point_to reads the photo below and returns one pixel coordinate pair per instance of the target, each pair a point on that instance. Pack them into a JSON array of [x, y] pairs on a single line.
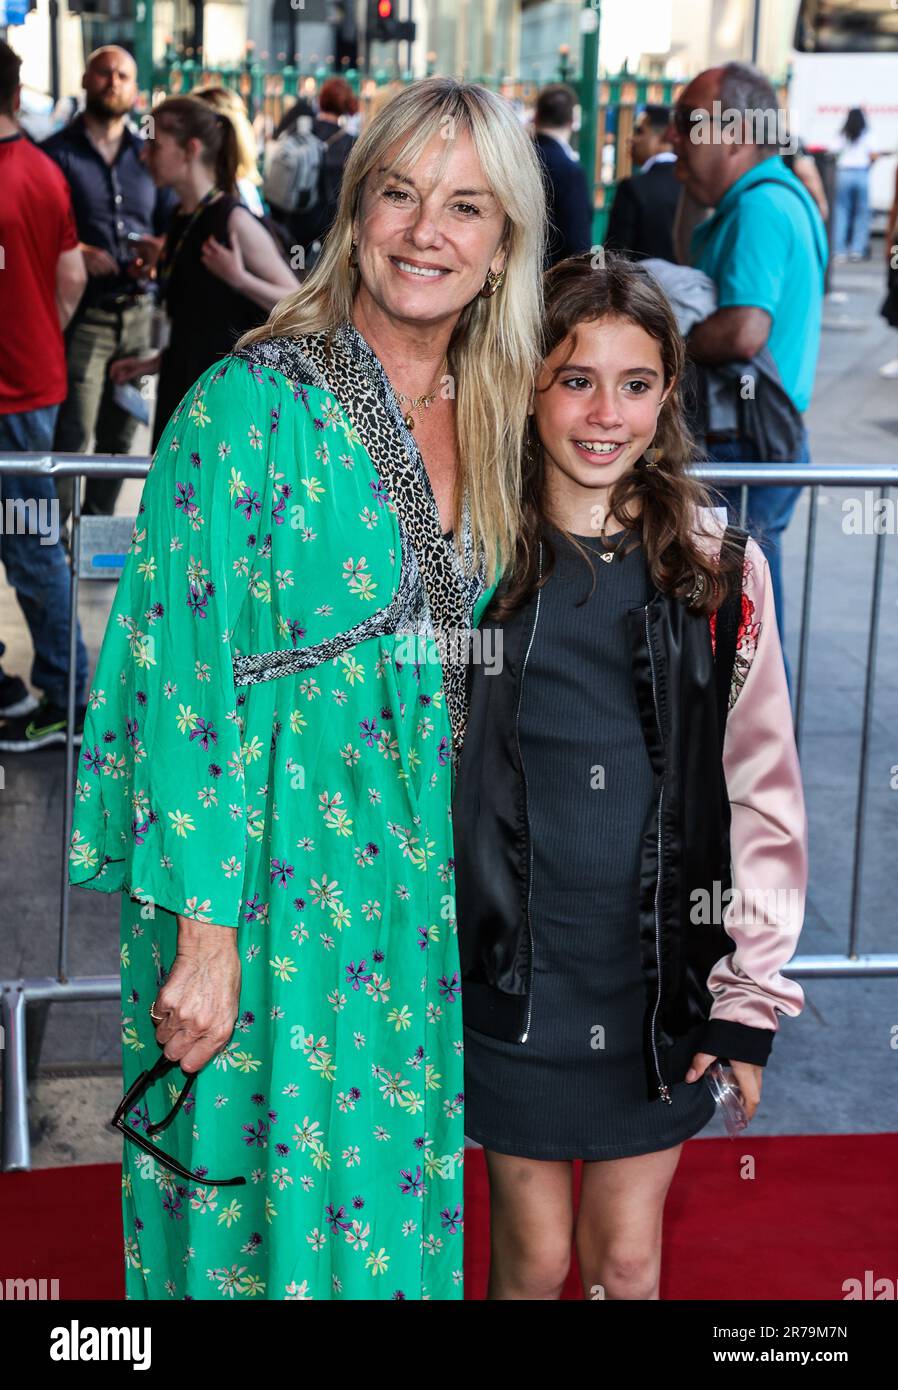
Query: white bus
[[846, 54]]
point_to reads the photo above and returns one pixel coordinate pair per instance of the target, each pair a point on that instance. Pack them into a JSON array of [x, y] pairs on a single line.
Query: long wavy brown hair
[[659, 504]]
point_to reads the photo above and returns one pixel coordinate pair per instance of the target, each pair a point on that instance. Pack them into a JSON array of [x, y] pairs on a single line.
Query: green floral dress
[[264, 749]]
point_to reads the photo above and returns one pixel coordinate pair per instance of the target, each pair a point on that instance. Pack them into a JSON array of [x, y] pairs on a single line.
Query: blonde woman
[[269, 751], [249, 180]]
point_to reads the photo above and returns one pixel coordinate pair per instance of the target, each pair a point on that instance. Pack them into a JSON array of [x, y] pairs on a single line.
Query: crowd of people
[[140, 253], [298, 327], [155, 254]]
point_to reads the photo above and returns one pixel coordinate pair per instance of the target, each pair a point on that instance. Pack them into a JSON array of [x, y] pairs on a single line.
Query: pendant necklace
[[608, 555], [415, 403]]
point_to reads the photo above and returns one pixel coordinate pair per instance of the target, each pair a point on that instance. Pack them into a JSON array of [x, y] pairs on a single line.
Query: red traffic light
[[385, 9]]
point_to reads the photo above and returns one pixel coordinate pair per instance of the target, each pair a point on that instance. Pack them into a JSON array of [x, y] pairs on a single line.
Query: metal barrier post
[[16, 993], [861, 813]]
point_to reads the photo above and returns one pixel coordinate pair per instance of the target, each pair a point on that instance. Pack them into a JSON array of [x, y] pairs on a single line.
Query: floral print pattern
[[311, 812]]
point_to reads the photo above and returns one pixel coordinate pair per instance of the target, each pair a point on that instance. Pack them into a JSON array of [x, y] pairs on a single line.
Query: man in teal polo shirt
[[765, 248]]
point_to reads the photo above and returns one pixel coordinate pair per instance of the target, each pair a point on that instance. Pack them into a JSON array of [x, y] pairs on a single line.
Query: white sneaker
[[890, 369]]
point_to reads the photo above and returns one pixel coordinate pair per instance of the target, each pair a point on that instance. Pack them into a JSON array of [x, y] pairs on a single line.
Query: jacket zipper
[[524, 1035], [663, 1088]]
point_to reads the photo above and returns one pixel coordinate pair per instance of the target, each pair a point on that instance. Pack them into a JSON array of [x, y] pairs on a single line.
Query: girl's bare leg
[[618, 1231], [531, 1226]]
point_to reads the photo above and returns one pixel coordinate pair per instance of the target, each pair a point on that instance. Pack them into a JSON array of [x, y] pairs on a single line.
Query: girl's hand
[[224, 261], [748, 1077], [201, 996]]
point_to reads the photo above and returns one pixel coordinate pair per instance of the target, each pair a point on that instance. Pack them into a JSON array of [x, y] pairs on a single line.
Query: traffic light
[[384, 23], [384, 27]]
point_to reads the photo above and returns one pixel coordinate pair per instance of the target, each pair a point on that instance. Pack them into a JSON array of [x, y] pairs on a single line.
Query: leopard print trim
[[398, 615], [340, 361]]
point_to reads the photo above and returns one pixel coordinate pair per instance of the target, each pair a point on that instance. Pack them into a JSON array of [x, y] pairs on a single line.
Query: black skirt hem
[[655, 1144]]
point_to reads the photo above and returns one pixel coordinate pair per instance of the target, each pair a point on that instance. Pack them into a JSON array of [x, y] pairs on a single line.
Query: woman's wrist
[[204, 938]]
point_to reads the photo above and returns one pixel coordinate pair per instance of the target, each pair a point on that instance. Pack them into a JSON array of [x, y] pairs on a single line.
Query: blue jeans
[[769, 511], [852, 205], [39, 573]]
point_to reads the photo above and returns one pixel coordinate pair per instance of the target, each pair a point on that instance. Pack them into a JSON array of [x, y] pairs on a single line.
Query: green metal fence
[[268, 94]]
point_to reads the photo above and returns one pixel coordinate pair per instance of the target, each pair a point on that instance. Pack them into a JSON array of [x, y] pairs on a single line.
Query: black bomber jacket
[[682, 696]]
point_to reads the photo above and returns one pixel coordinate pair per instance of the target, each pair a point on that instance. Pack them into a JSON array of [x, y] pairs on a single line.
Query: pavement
[[834, 1069]]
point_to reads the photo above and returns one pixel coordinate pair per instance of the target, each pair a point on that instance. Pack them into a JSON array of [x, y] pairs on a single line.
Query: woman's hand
[[224, 261], [748, 1077], [127, 368], [200, 998]]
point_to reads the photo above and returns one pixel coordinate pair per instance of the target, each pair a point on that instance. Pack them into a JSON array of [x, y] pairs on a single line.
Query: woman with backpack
[[304, 166], [634, 738]]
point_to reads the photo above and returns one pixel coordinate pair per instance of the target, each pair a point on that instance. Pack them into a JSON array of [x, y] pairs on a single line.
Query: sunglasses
[[133, 1095]]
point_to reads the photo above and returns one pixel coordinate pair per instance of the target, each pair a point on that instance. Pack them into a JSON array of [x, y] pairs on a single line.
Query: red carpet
[[819, 1210]]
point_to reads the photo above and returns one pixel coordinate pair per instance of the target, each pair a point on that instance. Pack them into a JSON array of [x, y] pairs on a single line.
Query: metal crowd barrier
[[95, 562]]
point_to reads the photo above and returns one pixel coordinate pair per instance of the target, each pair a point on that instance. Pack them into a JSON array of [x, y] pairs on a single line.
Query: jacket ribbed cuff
[[736, 1042]]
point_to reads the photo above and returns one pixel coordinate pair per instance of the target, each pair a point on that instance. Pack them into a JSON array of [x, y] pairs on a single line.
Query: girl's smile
[[596, 409]]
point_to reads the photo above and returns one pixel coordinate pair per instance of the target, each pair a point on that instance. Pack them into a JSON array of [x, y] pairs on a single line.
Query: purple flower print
[[280, 872], [131, 732], [452, 1220], [443, 751], [296, 630], [172, 1204], [254, 908], [93, 760], [355, 974], [139, 829], [184, 492], [369, 731], [196, 601], [379, 493], [204, 731], [409, 1183], [256, 1134], [449, 989], [335, 1219], [248, 503]]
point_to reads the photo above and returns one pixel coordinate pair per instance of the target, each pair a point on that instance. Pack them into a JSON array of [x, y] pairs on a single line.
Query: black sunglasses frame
[[133, 1094]]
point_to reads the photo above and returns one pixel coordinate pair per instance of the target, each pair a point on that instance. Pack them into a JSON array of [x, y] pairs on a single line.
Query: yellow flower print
[[182, 821]]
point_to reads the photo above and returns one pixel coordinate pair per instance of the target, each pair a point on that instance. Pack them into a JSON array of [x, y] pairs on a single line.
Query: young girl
[[637, 735]]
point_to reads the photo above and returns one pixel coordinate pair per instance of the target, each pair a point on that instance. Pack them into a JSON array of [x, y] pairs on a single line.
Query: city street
[[838, 1058]]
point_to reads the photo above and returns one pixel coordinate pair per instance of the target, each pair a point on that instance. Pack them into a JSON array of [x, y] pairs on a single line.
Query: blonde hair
[[494, 350], [231, 104]]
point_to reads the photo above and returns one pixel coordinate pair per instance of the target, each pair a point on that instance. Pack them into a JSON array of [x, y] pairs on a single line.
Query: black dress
[[207, 315], [576, 1088]]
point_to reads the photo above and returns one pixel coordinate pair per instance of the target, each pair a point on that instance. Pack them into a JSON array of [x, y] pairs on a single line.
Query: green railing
[[267, 95]]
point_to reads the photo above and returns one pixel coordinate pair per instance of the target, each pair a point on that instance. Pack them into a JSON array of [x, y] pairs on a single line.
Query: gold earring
[[353, 259], [652, 457], [494, 281]]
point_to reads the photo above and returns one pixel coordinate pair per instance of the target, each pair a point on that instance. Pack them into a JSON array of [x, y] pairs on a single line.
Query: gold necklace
[[608, 555], [415, 403]]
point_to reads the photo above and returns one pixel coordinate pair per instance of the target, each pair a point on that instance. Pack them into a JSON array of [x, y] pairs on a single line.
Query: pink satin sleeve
[[768, 833]]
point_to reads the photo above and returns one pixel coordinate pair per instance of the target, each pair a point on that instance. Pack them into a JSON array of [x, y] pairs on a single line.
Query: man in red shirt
[[43, 277]]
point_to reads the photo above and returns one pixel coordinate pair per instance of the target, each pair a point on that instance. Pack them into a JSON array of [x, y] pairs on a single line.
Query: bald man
[[115, 201], [765, 249]]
